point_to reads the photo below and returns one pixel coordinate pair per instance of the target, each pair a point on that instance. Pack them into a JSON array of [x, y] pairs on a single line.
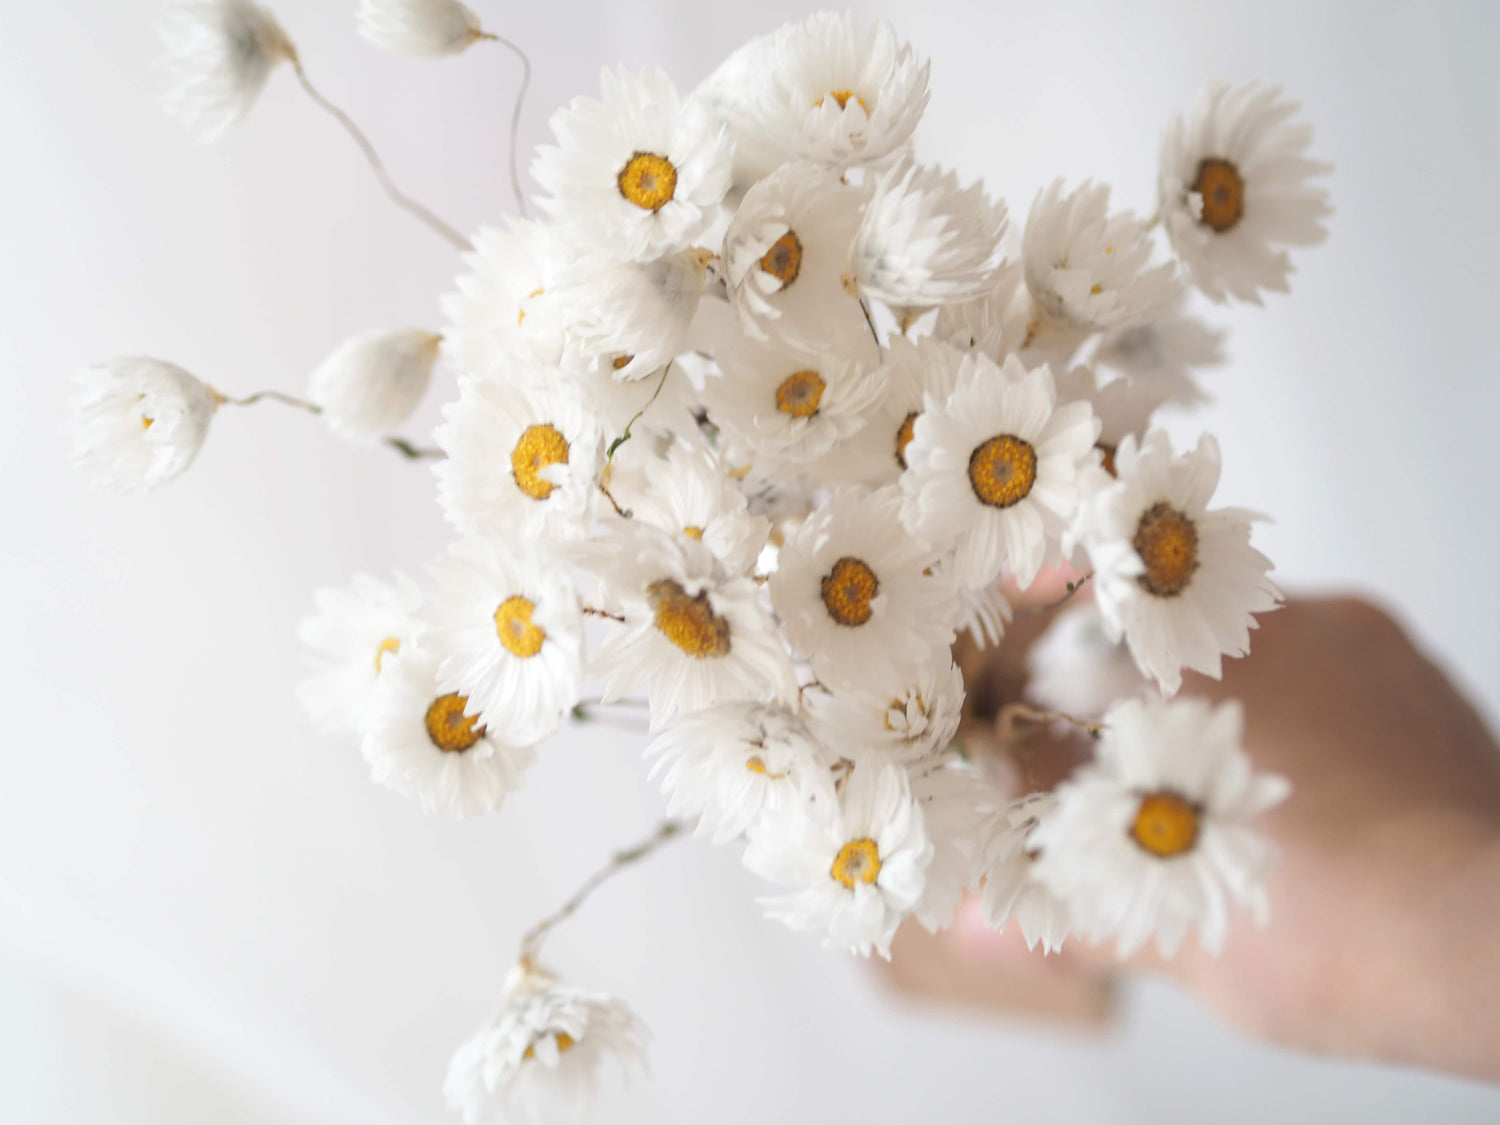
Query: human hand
[[1387, 894]]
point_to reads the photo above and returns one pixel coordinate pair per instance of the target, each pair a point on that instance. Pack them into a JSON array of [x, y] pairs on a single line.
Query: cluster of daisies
[[754, 421]]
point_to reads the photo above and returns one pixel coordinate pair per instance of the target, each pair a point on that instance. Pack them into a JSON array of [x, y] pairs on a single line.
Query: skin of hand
[[1385, 903]]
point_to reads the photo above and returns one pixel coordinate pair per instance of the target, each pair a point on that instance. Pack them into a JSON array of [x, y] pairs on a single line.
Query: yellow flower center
[[564, 1041], [1223, 193], [688, 621], [647, 180], [513, 625], [756, 764], [693, 532], [783, 260], [541, 445], [842, 97], [858, 861], [450, 729], [146, 422], [800, 393], [1167, 542], [848, 590], [904, 435], [390, 644], [622, 361], [1002, 471], [1165, 825]]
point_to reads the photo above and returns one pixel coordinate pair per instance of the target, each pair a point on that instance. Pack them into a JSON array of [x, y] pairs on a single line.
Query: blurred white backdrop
[[208, 913]]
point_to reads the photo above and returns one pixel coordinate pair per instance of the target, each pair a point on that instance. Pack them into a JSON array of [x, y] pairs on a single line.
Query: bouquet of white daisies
[[756, 422]]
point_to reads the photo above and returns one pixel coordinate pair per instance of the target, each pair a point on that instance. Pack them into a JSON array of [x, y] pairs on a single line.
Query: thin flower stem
[[531, 943], [1073, 588], [1005, 722], [869, 319], [400, 445], [592, 612], [400, 198], [515, 115]]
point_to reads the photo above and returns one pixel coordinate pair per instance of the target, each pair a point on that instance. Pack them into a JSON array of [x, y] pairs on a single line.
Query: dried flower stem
[[1005, 722], [1073, 588], [400, 198], [531, 943], [592, 612], [515, 115], [864, 307], [400, 445]]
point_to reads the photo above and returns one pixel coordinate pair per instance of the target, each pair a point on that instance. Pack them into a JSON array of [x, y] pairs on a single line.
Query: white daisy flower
[[1007, 859], [829, 89], [219, 54], [629, 318], [640, 170], [687, 492], [1236, 187], [902, 719], [924, 241], [429, 745], [1088, 267], [505, 626], [984, 612], [693, 635], [789, 404], [523, 458], [1075, 667], [1178, 581], [1148, 838], [785, 253], [662, 403], [351, 632], [541, 1055], [370, 384], [137, 422], [858, 866], [424, 29], [993, 470], [732, 764], [503, 304], [852, 594], [955, 802]]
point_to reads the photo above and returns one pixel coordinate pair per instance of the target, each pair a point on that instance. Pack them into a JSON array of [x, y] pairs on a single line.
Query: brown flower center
[[1002, 471], [800, 393], [1167, 542], [450, 730], [541, 445], [858, 861], [1223, 193], [848, 590], [842, 97], [1165, 824], [688, 621], [783, 260], [647, 180]]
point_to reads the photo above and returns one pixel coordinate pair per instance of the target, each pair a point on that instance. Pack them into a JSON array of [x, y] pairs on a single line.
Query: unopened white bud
[[219, 53], [372, 383], [424, 29]]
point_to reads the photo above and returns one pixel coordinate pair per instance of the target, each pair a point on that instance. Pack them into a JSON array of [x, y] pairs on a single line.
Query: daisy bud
[[219, 53], [424, 29], [372, 383], [136, 422]]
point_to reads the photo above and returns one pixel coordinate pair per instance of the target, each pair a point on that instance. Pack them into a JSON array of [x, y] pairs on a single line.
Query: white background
[[209, 913]]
